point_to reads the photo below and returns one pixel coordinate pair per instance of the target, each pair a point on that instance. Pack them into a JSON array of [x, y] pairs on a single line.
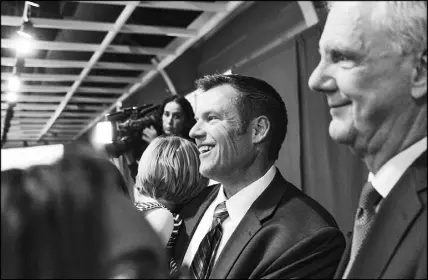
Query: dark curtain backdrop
[[331, 174]]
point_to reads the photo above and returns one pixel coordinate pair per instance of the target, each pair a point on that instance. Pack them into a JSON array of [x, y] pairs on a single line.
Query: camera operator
[[175, 117]]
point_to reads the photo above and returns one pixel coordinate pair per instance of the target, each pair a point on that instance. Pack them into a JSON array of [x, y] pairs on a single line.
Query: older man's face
[[367, 83]]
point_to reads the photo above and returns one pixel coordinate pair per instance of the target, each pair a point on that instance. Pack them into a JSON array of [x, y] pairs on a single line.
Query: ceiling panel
[[91, 55]]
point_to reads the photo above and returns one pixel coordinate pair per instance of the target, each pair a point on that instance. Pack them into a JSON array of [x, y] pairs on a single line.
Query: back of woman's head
[[70, 220], [169, 170], [50, 223]]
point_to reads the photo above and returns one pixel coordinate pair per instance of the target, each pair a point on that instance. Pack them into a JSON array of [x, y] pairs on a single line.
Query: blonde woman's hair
[[169, 170]]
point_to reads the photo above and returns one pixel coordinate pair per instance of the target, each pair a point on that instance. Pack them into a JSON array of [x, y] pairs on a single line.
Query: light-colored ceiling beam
[[206, 21], [29, 121], [64, 132], [72, 121], [18, 130], [99, 26], [34, 108], [93, 100], [59, 78], [67, 126], [78, 114], [27, 126], [123, 66], [85, 107], [83, 47], [51, 63], [219, 6], [41, 77], [29, 114], [120, 22], [108, 79], [47, 63], [39, 88], [28, 88], [37, 98]]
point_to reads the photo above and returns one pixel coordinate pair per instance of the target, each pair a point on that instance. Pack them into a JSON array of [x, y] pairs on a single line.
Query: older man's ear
[[419, 77]]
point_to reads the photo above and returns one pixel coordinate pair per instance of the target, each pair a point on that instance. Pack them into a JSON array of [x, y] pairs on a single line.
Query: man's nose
[[321, 80], [196, 131]]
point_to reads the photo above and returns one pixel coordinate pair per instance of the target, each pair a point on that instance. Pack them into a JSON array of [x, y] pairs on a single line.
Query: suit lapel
[[345, 257], [261, 209], [395, 216], [191, 218]]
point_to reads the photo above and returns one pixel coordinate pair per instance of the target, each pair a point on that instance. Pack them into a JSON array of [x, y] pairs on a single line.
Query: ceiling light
[[11, 97], [23, 45], [26, 30], [14, 83]]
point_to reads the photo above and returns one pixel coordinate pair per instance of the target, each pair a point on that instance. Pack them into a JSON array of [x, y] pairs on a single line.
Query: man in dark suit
[[254, 224], [373, 70]]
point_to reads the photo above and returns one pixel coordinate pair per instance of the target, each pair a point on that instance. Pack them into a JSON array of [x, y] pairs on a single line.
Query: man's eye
[[338, 57], [210, 118]]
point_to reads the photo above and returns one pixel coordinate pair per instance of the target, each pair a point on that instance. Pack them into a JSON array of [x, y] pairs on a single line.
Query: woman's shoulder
[[159, 217]]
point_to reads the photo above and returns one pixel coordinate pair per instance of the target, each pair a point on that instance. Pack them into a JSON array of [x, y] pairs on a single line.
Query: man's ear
[[260, 128], [419, 77]]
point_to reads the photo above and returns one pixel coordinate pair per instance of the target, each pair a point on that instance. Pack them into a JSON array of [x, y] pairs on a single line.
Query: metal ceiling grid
[[85, 90]]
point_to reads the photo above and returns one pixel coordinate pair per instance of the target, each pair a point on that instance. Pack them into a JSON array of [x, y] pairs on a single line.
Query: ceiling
[[90, 56]]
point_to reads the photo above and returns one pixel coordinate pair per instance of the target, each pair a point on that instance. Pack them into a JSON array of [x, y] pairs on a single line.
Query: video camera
[[129, 124]]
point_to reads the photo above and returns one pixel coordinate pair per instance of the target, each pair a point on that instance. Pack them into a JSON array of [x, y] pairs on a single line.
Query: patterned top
[[145, 206]]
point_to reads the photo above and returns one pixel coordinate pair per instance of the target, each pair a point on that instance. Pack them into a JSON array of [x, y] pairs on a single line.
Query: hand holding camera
[[149, 133]]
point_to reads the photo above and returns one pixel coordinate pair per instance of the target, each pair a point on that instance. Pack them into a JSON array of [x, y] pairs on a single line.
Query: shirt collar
[[389, 174], [238, 205]]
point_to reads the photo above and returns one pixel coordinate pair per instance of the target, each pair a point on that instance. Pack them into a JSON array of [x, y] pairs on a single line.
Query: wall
[[278, 68], [259, 25], [182, 72]]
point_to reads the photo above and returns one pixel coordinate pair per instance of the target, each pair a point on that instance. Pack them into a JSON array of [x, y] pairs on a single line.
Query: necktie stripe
[[205, 256], [364, 218]]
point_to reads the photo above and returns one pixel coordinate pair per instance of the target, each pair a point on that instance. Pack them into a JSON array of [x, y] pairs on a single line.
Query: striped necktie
[[173, 267], [203, 261], [364, 218]]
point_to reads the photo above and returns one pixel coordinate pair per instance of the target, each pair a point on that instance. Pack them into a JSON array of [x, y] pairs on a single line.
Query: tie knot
[[220, 212], [369, 196]]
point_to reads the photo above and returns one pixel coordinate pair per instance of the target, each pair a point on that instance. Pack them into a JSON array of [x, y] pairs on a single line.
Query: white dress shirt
[[237, 206], [389, 174]]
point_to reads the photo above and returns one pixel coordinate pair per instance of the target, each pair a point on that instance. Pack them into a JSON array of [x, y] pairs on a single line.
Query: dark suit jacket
[[284, 234], [396, 246]]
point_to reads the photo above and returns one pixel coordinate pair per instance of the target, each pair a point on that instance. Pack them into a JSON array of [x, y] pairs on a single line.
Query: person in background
[[254, 224], [168, 178], [373, 72], [69, 219], [176, 117]]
